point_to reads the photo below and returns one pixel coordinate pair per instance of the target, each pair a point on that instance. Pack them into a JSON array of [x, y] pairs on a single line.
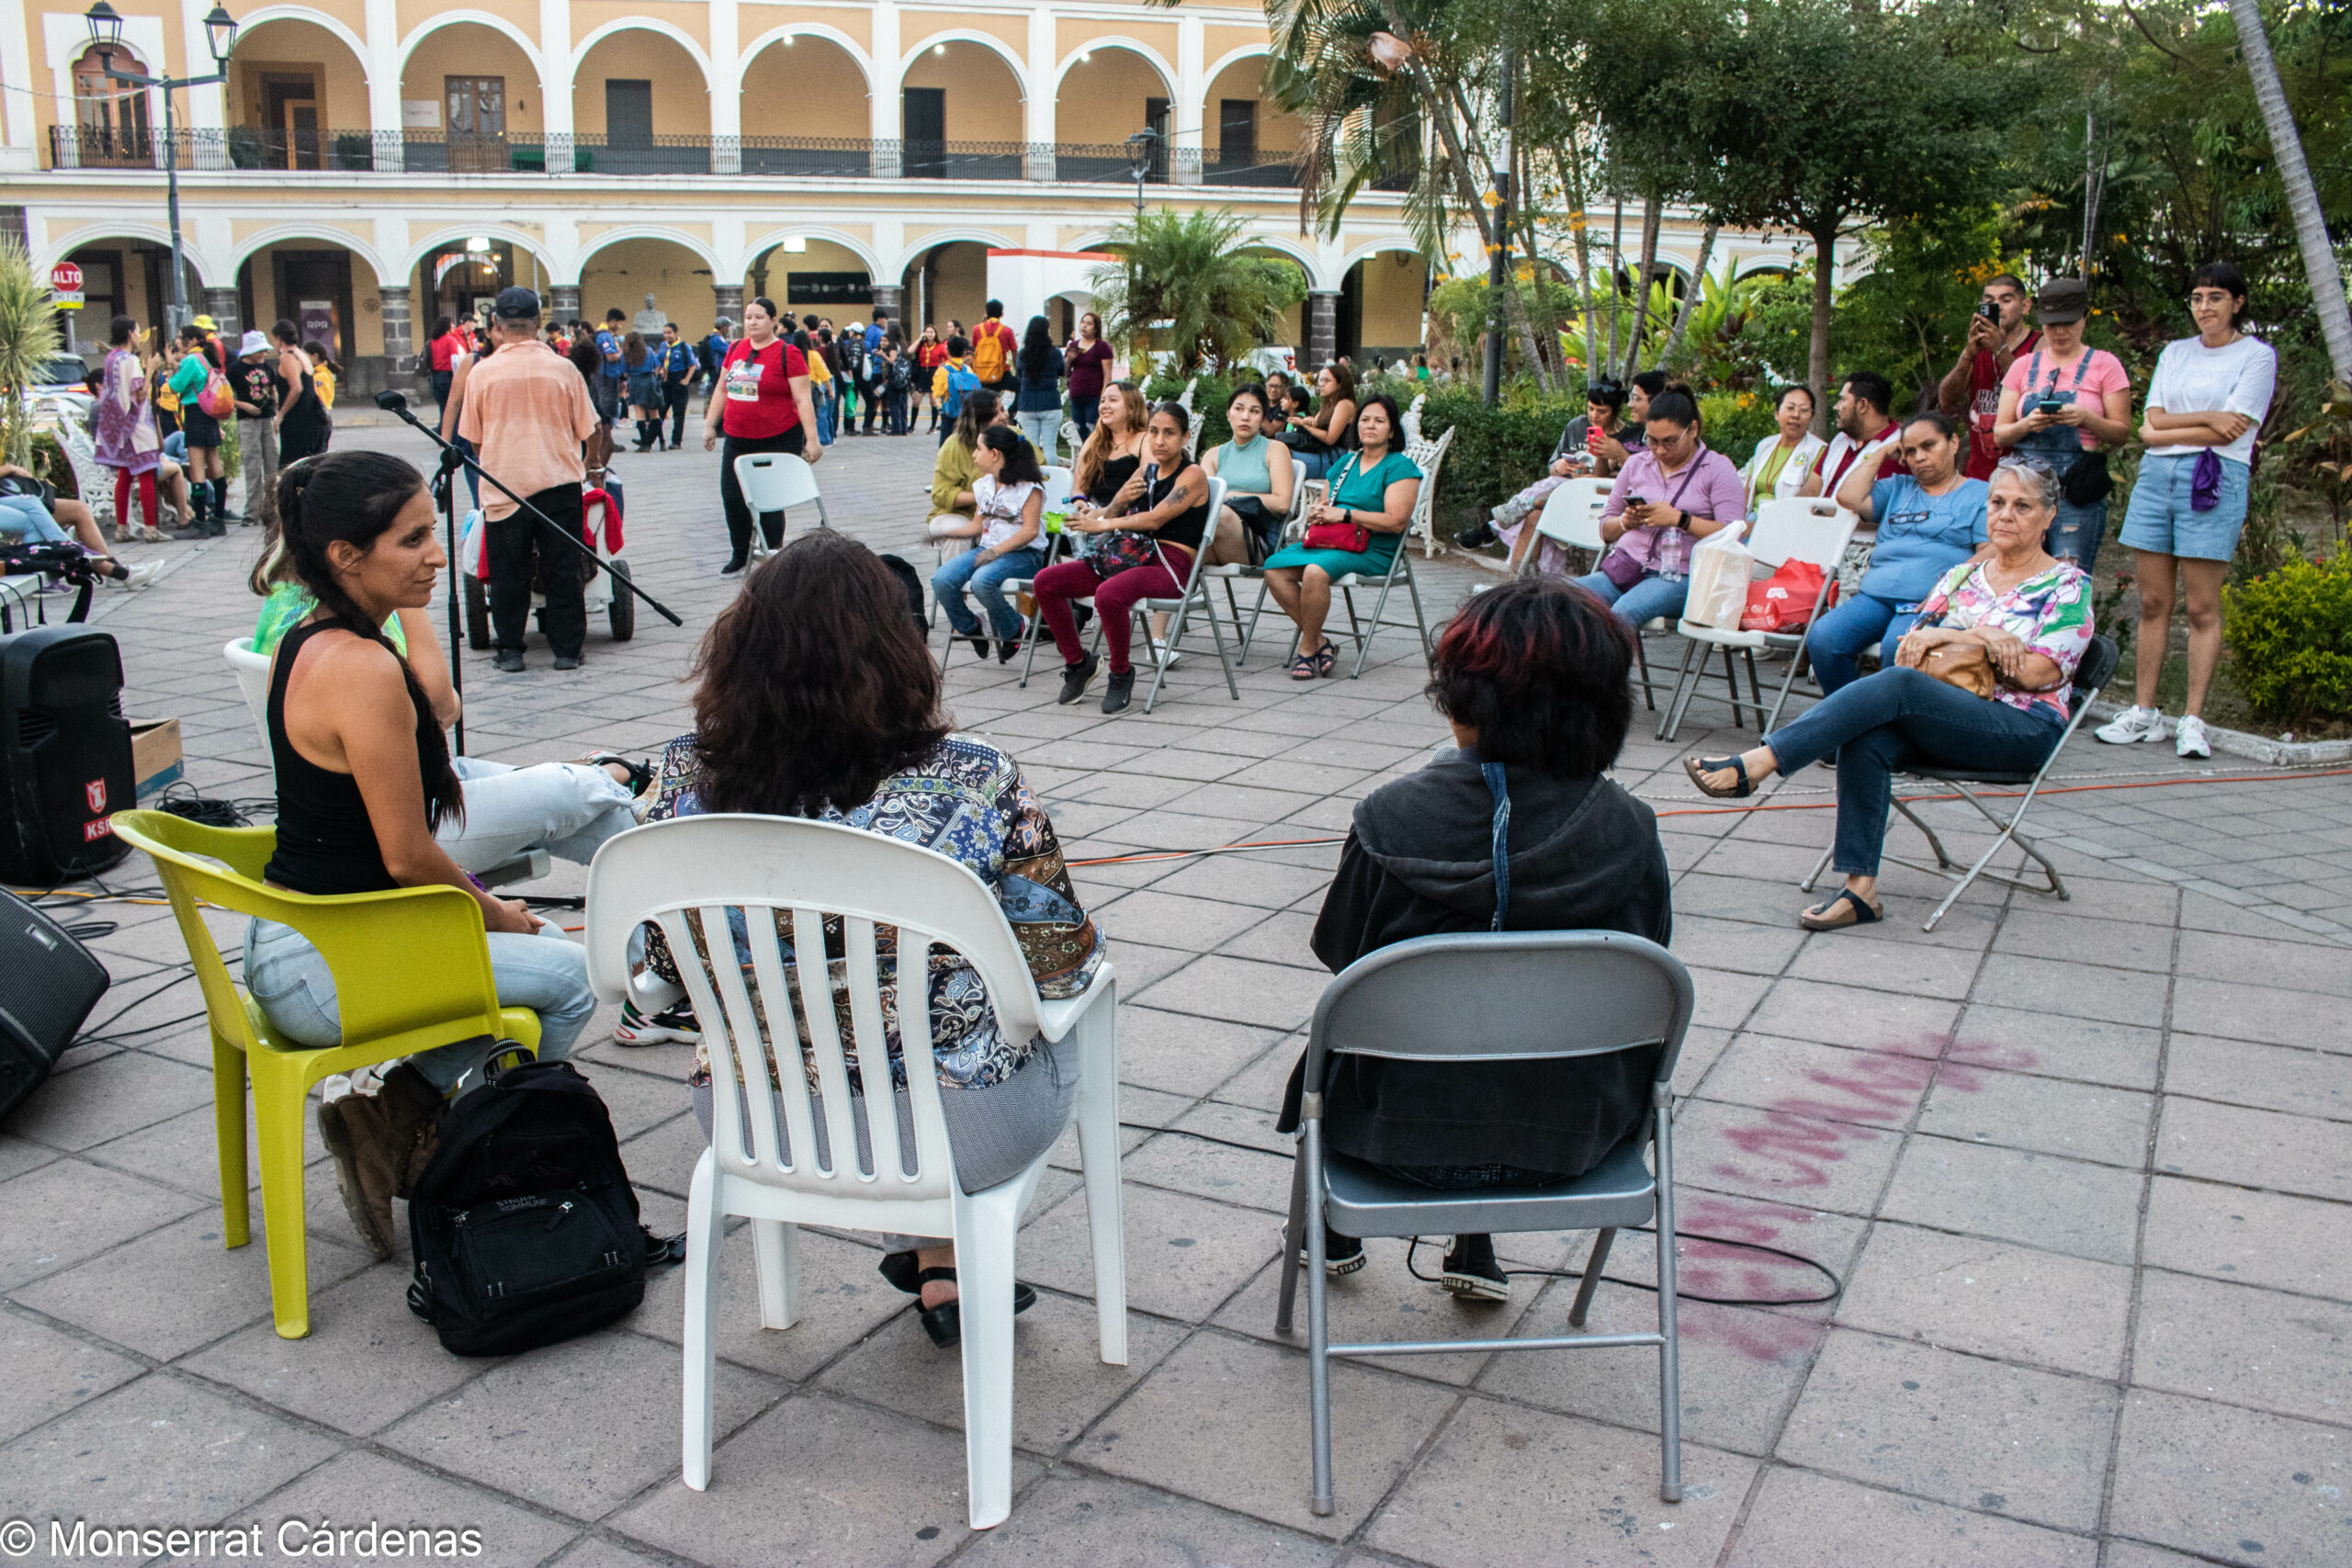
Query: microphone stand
[[444, 491], [396, 403]]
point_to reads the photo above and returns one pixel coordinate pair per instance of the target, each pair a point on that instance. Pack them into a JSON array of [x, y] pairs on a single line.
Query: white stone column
[[20, 153], [726, 89], [204, 106], [882, 119], [1188, 110], [555, 82], [383, 66], [1041, 123]]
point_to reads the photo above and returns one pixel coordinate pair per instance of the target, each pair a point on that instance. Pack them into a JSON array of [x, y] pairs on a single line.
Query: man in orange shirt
[[526, 411], [992, 350]]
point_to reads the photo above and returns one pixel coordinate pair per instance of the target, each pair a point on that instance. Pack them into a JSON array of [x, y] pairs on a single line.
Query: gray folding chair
[[2098, 668], [1487, 997]]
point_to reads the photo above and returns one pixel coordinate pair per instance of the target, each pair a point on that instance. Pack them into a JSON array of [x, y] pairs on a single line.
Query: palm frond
[[29, 337]]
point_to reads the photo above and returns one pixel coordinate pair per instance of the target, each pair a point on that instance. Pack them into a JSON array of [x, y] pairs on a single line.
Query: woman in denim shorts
[[2205, 405]]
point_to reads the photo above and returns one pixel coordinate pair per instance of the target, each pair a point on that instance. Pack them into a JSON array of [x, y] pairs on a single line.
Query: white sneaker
[[2136, 724], [2192, 741], [139, 576]]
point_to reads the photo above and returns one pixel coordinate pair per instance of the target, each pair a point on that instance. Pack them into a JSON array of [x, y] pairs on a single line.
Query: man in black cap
[[526, 411]]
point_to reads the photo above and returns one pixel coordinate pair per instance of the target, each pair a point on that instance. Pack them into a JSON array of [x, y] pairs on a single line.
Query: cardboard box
[[155, 753]]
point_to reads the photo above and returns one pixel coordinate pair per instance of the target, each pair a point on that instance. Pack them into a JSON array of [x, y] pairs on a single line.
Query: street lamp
[[1142, 144], [220, 37]]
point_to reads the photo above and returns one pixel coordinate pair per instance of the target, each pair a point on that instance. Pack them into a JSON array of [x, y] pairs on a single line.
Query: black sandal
[[640, 773], [944, 1323], [1699, 767], [1816, 919]]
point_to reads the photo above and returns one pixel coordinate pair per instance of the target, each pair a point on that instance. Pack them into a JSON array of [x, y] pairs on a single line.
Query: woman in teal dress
[[1373, 488]]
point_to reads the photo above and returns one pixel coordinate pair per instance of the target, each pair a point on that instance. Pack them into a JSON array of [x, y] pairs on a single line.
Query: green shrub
[[2290, 640], [1499, 451], [48, 463], [1736, 422], [1209, 399]]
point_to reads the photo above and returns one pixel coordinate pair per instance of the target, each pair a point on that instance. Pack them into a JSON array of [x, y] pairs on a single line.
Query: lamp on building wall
[[220, 37]]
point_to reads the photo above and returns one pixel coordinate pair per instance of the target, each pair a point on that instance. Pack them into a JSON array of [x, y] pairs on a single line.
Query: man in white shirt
[[1864, 426]]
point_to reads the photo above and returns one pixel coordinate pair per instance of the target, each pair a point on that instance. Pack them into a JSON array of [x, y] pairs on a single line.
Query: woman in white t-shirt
[[2205, 404], [1007, 530]]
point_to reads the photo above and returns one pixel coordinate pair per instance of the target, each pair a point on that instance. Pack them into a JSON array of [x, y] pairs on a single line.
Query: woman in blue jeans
[[1008, 527], [2029, 610], [363, 780], [1673, 491], [1929, 521]]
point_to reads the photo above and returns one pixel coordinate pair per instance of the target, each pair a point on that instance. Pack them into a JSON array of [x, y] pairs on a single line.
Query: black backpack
[[524, 1224], [912, 582]]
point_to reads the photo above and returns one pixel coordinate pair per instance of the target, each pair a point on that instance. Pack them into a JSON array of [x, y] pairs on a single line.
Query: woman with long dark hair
[[1037, 404], [1007, 532], [762, 404], [817, 699], [1372, 495], [1086, 359], [363, 779]]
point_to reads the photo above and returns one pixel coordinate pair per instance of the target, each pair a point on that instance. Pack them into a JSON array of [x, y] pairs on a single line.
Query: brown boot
[[379, 1141]]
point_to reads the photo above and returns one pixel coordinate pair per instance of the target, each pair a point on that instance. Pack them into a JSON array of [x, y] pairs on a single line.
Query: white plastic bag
[[1721, 565], [469, 544]]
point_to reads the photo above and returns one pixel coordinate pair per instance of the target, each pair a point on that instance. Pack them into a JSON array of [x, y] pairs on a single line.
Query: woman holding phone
[[2066, 403]]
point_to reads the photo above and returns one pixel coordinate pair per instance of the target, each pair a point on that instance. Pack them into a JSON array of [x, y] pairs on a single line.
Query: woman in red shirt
[[762, 405]]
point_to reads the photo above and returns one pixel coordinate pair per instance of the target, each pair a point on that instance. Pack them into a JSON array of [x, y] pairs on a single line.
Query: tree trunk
[[1616, 266], [1580, 198], [1825, 263], [1690, 296], [1650, 219], [2303, 199]]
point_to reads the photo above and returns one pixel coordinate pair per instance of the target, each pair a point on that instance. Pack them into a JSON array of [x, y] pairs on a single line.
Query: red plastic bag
[[1783, 602]]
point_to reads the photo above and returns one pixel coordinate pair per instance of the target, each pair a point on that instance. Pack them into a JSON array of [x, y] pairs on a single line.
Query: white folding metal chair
[[1400, 565], [1491, 997], [792, 1157], [1791, 528], [1057, 487], [775, 481], [1196, 592]]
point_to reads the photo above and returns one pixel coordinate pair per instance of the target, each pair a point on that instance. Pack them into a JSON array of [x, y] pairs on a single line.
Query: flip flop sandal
[[1302, 667], [944, 1323], [1327, 658], [1817, 917], [640, 773], [1699, 767]]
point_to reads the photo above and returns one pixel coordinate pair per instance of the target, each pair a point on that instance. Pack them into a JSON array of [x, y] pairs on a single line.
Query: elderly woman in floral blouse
[[2028, 612], [819, 699]]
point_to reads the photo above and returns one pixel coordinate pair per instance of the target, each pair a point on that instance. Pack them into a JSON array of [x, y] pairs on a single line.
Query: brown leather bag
[[1962, 664]]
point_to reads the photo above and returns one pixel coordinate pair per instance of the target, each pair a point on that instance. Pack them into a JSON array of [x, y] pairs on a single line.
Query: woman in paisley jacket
[[817, 699]]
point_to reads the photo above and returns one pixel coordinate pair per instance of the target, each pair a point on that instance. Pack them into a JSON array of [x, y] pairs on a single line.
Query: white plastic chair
[[1571, 519], [252, 670], [765, 1161], [1791, 528], [1429, 456], [1412, 420], [775, 481]]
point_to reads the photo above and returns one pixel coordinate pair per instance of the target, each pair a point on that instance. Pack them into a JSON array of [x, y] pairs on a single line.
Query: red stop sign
[[65, 278]]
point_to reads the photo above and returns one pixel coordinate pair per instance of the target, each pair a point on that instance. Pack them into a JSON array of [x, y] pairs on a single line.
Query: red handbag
[[1783, 602], [1350, 538]]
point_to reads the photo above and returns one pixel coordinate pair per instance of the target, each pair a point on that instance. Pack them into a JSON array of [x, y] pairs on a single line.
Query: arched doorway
[[122, 276], [1293, 335], [109, 128], [1382, 299], [960, 115], [947, 282], [809, 276], [621, 276], [471, 103], [1110, 95], [1246, 140], [298, 100], [463, 275], [330, 293], [640, 105], [806, 110]]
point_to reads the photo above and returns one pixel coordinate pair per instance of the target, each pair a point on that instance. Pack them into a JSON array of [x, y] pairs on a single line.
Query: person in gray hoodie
[[1532, 679]]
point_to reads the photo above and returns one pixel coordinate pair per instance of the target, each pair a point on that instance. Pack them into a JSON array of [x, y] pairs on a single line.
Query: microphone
[[392, 402]]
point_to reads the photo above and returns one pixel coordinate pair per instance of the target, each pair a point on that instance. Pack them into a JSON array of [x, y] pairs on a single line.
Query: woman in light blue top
[[1929, 521], [1259, 479]]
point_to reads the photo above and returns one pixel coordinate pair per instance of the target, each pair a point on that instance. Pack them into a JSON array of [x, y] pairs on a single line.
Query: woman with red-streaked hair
[[1531, 678]]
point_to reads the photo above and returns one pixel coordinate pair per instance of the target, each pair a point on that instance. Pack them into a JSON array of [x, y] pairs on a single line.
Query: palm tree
[[1182, 281], [29, 337], [2302, 197]]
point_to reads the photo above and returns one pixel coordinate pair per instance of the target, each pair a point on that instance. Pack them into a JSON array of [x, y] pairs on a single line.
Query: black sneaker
[[567, 661], [509, 661], [1075, 678], [734, 567], [1477, 536], [1472, 1273], [1118, 691], [672, 1025], [978, 642], [1342, 1255], [1006, 649]]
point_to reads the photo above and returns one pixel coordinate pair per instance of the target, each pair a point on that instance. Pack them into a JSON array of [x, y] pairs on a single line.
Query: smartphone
[[1990, 311], [2051, 405], [1636, 500]]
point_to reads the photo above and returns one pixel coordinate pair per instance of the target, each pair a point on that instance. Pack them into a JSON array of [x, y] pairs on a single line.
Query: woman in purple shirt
[[1672, 490]]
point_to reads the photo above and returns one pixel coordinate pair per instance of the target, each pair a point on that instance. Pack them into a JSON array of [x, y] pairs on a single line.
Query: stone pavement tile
[[2286, 964], [51, 1372], [1247, 879], [107, 1099], [2023, 1041], [1723, 999], [2256, 1239], [1878, 1088], [591, 1552], [1285, 938], [355, 1490], [2254, 1148], [1955, 1428], [177, 1287], [662, 1158], [1383, 1300], [2245, 1346], [1187, 1163], [1746, 899], [820, 1479], [2042, 1309], [1066, 1157], [843, 1300], [2133, 898], [1060, 1381], [2052, 1115], [2202, 912], [1075, 1520], [1801, 1520], [2234, 1485], [182, 1152], [2072, 990], [2121, 1553], [1166, 919], [159, 1450], [1185, 1254], [18, 1156], [1786, 864], [2258, 1013], [1140, 964], [1909, 968], [1272, 995], [1739, 944], [2086, 1211], [1225, 1420], [2065, 936], [57, 1216], [1215, 1119], [1809, 1010], [2271, 1078], [638, 1100], [521, 1422], [1798, 1159], [1578, 1494], [1718, 1251], [1258, 1085], [366, 1361], [1238, 803], [1741, 1367], [1176, 1052], [1701, 1049]]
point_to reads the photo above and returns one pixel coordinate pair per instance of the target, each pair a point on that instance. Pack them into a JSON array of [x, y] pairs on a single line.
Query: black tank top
[[325, 842], [1186, 527], [1114, 472]]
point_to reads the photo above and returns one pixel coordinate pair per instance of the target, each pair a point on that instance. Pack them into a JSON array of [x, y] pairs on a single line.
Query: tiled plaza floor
[[2083, 1168]]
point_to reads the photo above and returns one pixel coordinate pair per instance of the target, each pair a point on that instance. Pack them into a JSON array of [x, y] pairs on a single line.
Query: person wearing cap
[[259, 389], [1998, 334], [2066, 403], [526, 411]]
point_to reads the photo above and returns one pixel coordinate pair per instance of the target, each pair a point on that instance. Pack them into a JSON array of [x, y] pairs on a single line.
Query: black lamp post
[[220, 37], [1144, 144]]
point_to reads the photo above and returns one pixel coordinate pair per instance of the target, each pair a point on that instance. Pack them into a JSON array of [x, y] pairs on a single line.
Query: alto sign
[[65, 286]]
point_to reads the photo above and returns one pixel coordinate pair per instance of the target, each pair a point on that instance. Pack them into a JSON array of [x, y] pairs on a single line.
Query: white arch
[[1209, 77], [1748, 267], [915, 249], [645, 25], [1151, 56], [50, 255], [441, 239], [1377, 247], [995, 46], [278, 233], [1308, 262], [481, 18], [621, 234], [848, 242], [848, 45], [268, 14]]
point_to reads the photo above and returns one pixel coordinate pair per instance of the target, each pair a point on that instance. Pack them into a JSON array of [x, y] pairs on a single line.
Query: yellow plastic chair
[[411, 971]]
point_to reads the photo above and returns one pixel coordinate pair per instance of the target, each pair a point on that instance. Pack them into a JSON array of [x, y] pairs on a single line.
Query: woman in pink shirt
[[2065, 402], [1674, 490]]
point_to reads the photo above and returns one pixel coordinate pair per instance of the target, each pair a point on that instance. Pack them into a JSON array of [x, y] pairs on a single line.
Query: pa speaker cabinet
[[49, 983], [65, 759]]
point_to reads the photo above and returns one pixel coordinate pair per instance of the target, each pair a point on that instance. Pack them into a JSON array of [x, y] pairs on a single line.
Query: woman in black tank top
[[363, 779]]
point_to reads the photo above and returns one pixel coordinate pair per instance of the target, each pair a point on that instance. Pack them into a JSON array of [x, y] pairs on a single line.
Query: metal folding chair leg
[[1294, 1237], [1669, 724], [1318, 1332], [1591, 1280], [1669, 1358]]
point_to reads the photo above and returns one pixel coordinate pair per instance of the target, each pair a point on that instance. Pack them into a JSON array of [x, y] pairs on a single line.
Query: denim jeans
[[987, 583], [1652, 597], [25, 519], [1083, 411], [1839, 637], [1891, 719], [1044, 428], [2077, 533], [285, 973], [568, 808]]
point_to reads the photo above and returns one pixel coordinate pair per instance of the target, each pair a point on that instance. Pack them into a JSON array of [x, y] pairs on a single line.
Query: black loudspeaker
[[49, 983], [64, 754]]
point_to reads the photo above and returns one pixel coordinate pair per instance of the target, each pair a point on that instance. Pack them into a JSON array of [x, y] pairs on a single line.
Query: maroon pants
[[1114, 601]]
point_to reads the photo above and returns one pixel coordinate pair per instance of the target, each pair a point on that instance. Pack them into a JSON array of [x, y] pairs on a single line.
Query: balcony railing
[[238, 149]]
